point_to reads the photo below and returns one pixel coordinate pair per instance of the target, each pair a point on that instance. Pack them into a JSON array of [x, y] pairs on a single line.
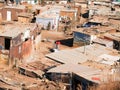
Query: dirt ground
[[12, 79]]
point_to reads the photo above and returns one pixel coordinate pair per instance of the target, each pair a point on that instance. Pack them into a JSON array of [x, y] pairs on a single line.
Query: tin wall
[[13, 13], [22, 51], [1, 42]]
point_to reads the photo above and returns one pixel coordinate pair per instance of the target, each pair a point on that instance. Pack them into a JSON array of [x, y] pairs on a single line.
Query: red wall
[[21, 51], [26, 49], [13, 11]]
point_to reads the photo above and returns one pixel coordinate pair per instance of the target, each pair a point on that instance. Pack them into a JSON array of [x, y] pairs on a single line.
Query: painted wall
[[44, 22], [26, 49], [37, 41], [81, 37], [22, 51], [13, 11], [17, 40]]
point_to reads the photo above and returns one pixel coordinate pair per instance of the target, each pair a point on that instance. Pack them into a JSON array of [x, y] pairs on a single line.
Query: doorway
[[7, 43], [9, 15]]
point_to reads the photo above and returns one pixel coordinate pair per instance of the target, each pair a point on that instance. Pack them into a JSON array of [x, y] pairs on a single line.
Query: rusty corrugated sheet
[[14, 52], [1, 42], [26, 48], [65, 13], [21, 51], [13, 15]]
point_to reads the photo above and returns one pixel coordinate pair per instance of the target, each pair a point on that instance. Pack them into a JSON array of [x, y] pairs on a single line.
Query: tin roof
[[95, 30], [74, 61], [80, 70], [16, 7], [114, 36], [107, 59], [14, 29], [50, 13], [23, 14], [82, 54], [102, 41], [31, 69]]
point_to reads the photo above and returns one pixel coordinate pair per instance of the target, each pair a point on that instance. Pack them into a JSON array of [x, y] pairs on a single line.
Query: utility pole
[[84, 46], [70, 81]]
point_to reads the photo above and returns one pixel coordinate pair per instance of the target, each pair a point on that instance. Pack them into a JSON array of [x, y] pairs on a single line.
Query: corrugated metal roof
[[108, 59], [82, 71], [96, 30], [102, 41], [81, 54], [69, 56], [16, 7], [114, 36], [14, 29], [31, 69], [23, 14]]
